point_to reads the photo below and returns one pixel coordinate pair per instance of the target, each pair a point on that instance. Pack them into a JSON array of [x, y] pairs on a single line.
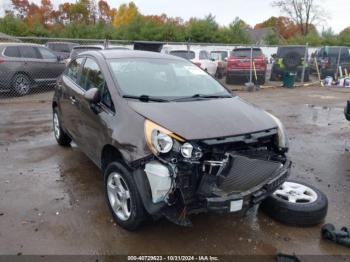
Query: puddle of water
[[323, 115]]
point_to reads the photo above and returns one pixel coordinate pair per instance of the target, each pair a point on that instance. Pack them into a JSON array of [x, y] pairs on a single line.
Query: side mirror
[[93, 96], [225, 59]]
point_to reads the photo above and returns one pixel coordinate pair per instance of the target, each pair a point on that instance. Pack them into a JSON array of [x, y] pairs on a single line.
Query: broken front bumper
[[244, 200]]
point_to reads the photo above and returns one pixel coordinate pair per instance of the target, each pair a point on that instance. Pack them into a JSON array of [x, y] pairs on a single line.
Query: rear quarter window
[[12, 51]]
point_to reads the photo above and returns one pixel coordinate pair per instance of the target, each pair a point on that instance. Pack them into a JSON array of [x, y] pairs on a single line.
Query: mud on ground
[[52, 199]]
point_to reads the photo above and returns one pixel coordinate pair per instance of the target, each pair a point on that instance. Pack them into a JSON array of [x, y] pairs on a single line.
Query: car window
[[12, 51], [183, 54], [203, 55], [283, 51], [29, 52], [216, 56], [73, 70], [47, 54], [91, 76], [106, 98]]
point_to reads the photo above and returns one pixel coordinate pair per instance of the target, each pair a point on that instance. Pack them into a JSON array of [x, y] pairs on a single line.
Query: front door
[[92, 125], [70, 88]]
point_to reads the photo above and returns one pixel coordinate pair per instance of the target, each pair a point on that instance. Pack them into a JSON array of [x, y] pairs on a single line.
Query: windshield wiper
[[200, 96], [146, 98]]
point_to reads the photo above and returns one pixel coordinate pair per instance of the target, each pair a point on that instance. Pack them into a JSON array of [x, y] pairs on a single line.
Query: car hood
[[206, 119]]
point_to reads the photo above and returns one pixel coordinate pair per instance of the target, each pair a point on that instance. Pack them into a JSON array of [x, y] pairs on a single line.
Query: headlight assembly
[[159, 139], [282, 143], [186, 150]]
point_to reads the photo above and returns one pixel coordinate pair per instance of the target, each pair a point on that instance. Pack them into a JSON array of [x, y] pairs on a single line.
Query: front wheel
[[122, 197], [61, 137], [296, 203]]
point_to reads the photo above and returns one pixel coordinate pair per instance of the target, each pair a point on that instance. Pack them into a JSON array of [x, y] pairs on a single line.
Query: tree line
[[98, 20]]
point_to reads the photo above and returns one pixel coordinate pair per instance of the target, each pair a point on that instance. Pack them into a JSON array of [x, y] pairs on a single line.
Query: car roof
[[62, 42], [19, 44], [88, 46], [246, 48], [113, 54]]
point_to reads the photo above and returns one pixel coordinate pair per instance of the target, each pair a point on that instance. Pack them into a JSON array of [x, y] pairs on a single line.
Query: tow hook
[[341, 236]]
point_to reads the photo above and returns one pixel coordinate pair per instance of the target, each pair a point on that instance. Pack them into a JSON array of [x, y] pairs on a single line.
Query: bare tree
[[303, 12]]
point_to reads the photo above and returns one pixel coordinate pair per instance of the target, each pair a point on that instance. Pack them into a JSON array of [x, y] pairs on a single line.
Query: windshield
[[163, 78]]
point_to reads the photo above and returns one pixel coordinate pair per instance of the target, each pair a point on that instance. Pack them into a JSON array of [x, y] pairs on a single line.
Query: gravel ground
[[52, 200]]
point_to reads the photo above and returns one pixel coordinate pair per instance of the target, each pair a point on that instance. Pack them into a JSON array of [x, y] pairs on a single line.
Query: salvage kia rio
[[170, 140]]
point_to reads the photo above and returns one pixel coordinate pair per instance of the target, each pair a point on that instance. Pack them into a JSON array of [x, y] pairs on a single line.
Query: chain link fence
[[29, 68]]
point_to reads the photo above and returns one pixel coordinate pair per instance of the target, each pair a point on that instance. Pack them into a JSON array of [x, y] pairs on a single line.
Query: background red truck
[[238, 66]]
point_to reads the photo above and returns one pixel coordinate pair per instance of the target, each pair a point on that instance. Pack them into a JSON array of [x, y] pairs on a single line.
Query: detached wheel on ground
[[21, 84], [122, 197], [61, 137], [296, 203]]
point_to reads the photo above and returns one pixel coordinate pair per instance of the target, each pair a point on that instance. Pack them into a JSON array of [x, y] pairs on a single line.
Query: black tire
[[137, 212], [292, 60], [21, 84], [297, 214], [61, 137]]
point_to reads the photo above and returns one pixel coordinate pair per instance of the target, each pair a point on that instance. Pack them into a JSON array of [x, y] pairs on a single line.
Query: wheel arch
[[23, 73], [109, 154]]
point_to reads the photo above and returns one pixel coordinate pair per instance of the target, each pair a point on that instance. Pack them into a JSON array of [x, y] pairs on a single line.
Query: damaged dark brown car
[[170, 140]]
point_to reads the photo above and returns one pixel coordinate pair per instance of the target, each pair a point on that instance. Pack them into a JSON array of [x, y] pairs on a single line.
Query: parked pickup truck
[[239, 64], [327, 60]]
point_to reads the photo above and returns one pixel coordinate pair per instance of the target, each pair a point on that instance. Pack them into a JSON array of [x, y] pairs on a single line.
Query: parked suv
[[200, 58], [290, 59], [220, 58], [327, 60], [26, 66], [165, 135], [239, 65], [61, 49]]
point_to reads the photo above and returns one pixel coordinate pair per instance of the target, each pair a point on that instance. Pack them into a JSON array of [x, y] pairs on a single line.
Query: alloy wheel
[[56, 125], [119, 196], [296, 193], [22, 84]]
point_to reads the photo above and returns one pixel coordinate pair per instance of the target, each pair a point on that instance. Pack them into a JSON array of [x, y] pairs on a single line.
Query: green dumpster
[[289, 79]]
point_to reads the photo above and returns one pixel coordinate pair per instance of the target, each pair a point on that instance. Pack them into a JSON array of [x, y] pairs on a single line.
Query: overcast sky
[[251, 11]]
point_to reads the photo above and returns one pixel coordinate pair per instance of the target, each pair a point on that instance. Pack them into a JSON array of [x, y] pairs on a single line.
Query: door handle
[[73, 100]]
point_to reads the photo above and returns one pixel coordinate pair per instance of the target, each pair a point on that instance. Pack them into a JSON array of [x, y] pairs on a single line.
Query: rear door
[[32, 63], [53, 66]]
